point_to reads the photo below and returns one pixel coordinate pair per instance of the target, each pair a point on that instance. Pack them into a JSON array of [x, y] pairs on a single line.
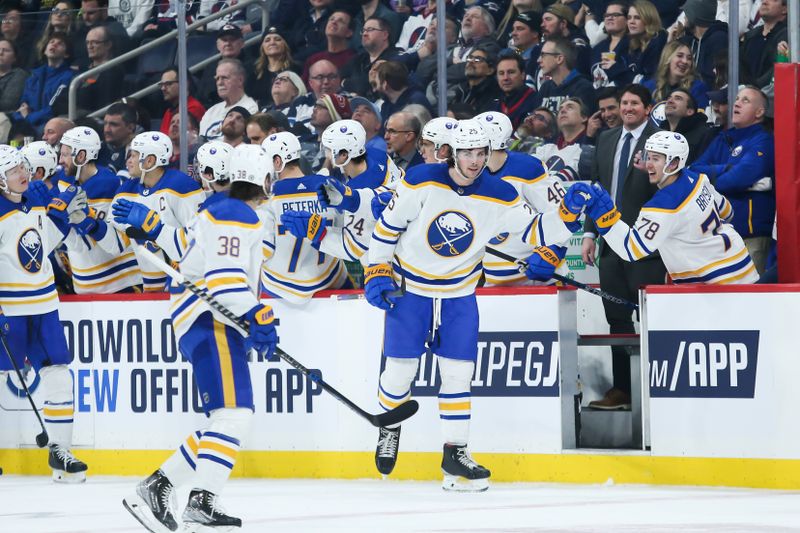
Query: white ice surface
[[36, 505]]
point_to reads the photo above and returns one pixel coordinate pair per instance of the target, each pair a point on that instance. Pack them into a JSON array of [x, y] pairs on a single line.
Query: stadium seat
[[199, 47]]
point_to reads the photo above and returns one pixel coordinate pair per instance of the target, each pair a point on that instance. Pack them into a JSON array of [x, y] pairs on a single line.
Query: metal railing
[[264, 5]]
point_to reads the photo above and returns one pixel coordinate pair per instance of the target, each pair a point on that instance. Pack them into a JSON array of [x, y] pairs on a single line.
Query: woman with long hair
[[274, 57], [676, 70], [646, 39], [62, 18]]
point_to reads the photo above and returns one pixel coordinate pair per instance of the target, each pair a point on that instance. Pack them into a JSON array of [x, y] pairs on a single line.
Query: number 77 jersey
[[686, 222]]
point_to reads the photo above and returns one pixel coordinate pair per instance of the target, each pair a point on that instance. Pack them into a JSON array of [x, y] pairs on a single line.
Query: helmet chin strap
[[667, 175]]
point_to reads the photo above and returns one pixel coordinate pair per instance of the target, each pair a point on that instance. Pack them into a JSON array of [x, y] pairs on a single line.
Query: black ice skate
[[66, 467], [153, 504], [386, 452], [461, 472], [203, 514]]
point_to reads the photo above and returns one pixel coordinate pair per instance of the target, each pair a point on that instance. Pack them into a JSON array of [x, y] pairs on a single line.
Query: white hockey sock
[[455, 405], [219, 446], [394, 386], [181, 465], [59, 408]]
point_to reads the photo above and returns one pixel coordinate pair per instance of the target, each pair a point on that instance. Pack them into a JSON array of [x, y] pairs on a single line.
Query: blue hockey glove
[[543, 262], [40, 193], [5, 326], [263, 335], [138, 216], [334, 193], [304, 225], [379, 203], [87, 223], [379, 280], [66, 203], [577, 197], [602, 209]]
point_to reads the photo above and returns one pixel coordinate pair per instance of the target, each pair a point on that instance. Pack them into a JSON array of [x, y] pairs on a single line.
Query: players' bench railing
[[264, 5]]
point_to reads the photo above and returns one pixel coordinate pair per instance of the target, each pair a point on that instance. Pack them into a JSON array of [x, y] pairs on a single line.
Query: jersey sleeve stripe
[[710, 266], [641, 243]]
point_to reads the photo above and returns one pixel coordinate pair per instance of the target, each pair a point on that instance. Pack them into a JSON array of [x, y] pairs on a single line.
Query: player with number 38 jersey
[[685, 220]]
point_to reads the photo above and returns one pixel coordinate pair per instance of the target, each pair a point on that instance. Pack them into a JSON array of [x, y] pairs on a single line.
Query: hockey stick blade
[[567, 281], [395, 416]]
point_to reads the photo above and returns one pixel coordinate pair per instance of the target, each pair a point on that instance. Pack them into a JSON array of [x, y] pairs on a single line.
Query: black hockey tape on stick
[[566, 281], [42, 438], [394, 416]]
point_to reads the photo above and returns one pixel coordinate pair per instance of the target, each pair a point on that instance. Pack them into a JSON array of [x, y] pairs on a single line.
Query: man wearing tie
[[618, 168]]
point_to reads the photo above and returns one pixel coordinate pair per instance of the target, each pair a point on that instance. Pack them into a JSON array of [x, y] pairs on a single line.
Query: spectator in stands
[[47, 84], [61, 19], [163, 19], [740, 162], [719, 107], [647, 39], [516, 98], [477, 28], [230, 45], [526, 35], [558, 21], [338, 32], [538, 128], [369, 115], [13, 29], [260, 126], [94, 13], [557, 60], [609, 57], [169, 86], [401, 136], [415, 28], [393, 86], [704, 35], [460, 110], [306, 33], [759, 46], [193, 133], [676, 71], [230, 80], [684, 117], [286, 87], [233, 126], [376, 8], [423, 60], [607, 115], [274, 58], [135, 15], [323, 78], [377, 46], [480, 88], [104, 87], [54, 129], [422, 113], [328, 109], [119, 129], [12, 78], [572, 117]]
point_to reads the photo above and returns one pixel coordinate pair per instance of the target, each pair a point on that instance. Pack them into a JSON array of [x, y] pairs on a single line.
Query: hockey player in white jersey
[[539, 189], [434, 232], [213, 160], [296, 267], [685, 220], [29, 301], [225, 259], [434, 140], [157, 196]]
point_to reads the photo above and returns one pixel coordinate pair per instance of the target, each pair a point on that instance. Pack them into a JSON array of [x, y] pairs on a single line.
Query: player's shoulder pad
[[132, 186], [419, 175], [231, 212], [524, 166], [306, 184], [211, 200], [178, 183], [7, 206], [496, 190], [104, 184], [376, 173], [672, 197]]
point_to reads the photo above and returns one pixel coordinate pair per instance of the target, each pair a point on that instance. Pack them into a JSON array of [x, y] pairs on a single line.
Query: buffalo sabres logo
[[343, 129], [29, 251], [273, 137], [450, 234], [736, 151]]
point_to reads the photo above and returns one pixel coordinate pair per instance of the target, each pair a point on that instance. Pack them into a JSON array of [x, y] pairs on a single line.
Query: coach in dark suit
[[615, 167]]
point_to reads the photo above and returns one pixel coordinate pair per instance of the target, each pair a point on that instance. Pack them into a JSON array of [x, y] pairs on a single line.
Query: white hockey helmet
[[498, 127], [82, 138], [152, 143], [347, 135], [10, 158], [250, 164], [469, 134], [672, 145], [215, 155], [285, 145], [437, 130], [39, 154]]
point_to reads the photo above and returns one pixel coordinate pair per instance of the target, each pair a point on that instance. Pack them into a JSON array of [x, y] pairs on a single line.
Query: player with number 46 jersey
[[686, 220]]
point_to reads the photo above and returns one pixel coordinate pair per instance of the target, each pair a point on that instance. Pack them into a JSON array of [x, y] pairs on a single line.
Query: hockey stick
[[566, 281], [42, 438], [394, 416]]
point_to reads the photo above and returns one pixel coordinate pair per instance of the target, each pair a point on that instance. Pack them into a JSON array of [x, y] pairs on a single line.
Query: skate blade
[[462, 484], [141, 512], [60, 476], [200, 528]]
